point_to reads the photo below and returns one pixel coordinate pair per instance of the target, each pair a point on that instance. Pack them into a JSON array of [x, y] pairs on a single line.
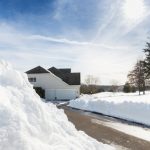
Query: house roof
[[65, 70], [66, 75], [73, 78], [37, 69], [57, 72]]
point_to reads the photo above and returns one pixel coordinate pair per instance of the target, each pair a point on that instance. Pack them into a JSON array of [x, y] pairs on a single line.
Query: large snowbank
[[131, 107], [27, 123]]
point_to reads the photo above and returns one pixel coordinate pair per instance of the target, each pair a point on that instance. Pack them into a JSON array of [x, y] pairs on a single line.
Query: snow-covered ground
[[131, 106], [27, 123], [136, 131]]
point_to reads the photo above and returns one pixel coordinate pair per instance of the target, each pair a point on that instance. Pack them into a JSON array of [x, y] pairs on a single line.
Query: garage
[[55, 84], [60, 94]]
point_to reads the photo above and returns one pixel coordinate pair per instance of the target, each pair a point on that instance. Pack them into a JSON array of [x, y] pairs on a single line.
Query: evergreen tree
[[133, 89], [127, 88], [147, 61]]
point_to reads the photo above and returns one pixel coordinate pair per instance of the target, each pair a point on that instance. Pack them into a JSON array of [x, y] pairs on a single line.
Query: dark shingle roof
[[66, 75], [65, 70], [37, 69], [73, 78], [57, 72]]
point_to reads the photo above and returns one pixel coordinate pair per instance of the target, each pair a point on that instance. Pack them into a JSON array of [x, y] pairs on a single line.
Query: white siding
[[50, 94], [54, 87], [61, 94], [77, 87], [66, 93], [47, 81]]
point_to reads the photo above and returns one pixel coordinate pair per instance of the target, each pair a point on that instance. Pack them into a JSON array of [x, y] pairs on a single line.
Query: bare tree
[[91, 82], [137, 76], [114, 85]]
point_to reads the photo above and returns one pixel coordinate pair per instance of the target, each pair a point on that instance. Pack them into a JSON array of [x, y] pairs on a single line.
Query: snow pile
[[27, 123], [131, 107]]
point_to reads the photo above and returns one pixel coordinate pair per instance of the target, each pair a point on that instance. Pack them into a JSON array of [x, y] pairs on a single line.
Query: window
[[32, 79]]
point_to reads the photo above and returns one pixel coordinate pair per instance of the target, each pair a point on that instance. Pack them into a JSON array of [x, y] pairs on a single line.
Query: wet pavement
[[89, 123]]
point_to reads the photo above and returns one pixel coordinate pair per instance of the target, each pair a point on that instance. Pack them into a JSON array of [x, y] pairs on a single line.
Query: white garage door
[[50, 94], [60, 94], [66, 94]]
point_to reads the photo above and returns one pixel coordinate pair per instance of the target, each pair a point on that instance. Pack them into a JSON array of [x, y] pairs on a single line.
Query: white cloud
[[134, 10], [109, 54], [105, 61], [71, 42]]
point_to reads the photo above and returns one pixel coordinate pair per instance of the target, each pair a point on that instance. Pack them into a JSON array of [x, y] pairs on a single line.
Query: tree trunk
[[139, 89], [143, 87]]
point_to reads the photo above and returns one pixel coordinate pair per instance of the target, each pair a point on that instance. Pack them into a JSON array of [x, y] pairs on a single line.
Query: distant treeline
[[92, 89]]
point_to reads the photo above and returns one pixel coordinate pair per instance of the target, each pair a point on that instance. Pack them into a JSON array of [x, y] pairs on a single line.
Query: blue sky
[[99, 37]]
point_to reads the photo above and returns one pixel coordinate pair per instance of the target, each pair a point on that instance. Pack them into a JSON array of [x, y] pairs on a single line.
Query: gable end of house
[[36, 70]]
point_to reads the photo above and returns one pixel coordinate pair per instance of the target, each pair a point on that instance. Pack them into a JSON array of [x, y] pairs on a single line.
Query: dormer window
[[32, 79]]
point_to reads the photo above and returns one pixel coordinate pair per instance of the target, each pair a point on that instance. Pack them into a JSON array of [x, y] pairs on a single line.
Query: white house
[[56, 84]]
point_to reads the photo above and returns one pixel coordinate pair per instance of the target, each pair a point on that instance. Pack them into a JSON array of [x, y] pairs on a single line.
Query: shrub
[[127, 88], [40, 91]]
